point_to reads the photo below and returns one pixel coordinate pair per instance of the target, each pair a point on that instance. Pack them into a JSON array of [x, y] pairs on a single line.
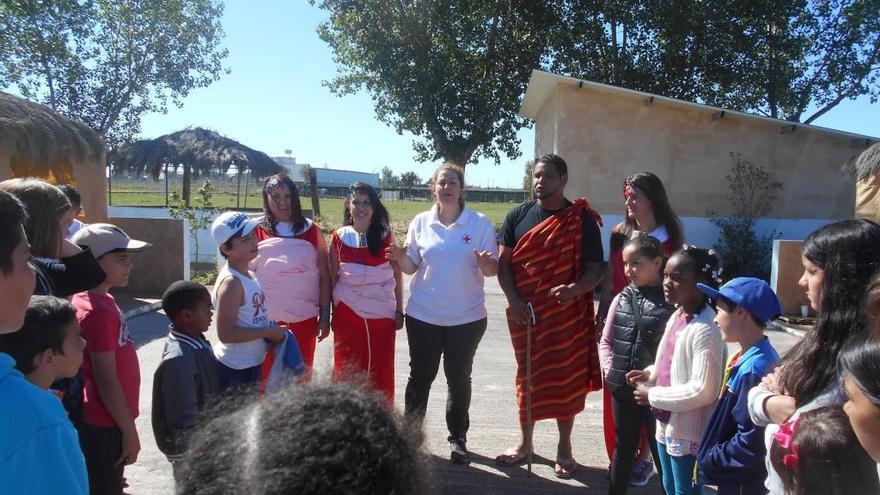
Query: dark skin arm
[[508, 285]]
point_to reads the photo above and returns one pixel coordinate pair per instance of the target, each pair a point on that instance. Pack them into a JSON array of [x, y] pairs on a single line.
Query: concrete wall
[[787, 270], [606, 137], [159, 266]]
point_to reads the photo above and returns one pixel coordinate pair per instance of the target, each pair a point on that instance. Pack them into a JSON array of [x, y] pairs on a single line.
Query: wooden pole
[[313, 185], [186, 184]]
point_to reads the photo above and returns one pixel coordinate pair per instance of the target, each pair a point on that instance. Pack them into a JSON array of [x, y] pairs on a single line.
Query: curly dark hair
[[319, 438], [379, 223], [830, 460], [848, 253], [703, 263]]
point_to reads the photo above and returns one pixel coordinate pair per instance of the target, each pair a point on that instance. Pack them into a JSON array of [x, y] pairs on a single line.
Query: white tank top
[[251, 314]]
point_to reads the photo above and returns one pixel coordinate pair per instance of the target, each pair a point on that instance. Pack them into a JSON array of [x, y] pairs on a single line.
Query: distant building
[[296, 171], [331, 178]]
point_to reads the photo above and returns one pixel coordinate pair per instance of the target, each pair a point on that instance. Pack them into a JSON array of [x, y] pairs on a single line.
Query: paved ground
[[493, 418]]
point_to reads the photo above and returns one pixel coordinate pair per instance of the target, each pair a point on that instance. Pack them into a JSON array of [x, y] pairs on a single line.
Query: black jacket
[[183, 385], [639, 322]]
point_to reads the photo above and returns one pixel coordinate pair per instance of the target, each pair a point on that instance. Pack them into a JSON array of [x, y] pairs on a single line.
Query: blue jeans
[[678, 473]]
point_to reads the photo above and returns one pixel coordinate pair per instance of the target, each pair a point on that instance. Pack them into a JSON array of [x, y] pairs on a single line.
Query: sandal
[[511, 457], [565, 469]]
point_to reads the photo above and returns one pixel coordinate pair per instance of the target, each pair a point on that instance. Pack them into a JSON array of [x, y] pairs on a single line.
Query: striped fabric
[[565, 357]]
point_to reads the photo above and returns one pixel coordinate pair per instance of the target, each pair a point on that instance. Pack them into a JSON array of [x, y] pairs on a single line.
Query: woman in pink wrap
[[292, 266], [367, 292]]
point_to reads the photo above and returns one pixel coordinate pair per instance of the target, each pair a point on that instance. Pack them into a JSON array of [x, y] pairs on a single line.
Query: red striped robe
[[565, 354]]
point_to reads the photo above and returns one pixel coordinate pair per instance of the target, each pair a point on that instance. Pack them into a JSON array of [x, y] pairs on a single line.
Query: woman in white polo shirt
[[450, 249]]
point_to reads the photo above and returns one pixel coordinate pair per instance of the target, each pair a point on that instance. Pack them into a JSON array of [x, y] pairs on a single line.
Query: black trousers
[[457, 345], [629, 418], [101, 448]]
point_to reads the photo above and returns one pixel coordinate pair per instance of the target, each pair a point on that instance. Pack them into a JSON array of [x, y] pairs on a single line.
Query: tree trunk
[[186, 185]]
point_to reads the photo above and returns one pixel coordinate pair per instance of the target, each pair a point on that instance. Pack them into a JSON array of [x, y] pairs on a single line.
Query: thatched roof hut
[[36, 141], [206, 151], [200, 151]]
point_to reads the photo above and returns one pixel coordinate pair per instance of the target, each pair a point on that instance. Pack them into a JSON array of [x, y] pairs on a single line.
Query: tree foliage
[[453, 72], [108, 62], [450, 72], [752, 190], [387, 177], [787, 59], [410, 179]]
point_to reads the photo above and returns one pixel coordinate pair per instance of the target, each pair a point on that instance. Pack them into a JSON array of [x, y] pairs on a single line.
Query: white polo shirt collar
[[463, 219]]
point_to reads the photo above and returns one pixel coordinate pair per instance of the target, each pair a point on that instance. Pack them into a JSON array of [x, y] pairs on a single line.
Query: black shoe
[[458, 452]]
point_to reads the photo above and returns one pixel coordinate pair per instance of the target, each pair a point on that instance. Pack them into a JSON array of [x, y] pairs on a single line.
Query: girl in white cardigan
[[682, 386]]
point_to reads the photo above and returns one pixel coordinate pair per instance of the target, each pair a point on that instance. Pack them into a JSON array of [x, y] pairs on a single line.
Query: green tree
[[787, 59], [387, 177], [410, 179], [108, 62], [527, 175], [450, 72], [743, 252], [197, 216]]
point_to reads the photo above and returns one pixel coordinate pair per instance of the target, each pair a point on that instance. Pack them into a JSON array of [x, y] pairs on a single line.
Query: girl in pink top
[[367, 292], [292, 266]]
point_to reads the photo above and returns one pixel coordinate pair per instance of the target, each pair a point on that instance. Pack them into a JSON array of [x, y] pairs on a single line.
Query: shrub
[[752, 191]]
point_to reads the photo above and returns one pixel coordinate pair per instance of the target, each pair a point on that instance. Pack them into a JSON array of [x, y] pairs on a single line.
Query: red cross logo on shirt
[[466, 239]]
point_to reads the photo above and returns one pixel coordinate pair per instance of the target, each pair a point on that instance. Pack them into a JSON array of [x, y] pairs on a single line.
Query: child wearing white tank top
[[240, 304]]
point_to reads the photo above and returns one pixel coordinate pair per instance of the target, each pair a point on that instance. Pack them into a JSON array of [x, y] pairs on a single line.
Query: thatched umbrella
[[200, 150], [36, 141]]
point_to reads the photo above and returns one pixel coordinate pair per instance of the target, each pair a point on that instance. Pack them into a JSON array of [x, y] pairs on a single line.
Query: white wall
[[207, 248], [701, 232]]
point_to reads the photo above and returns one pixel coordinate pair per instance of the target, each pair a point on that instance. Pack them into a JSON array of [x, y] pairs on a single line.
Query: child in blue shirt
[[732, 452], [33, 425]]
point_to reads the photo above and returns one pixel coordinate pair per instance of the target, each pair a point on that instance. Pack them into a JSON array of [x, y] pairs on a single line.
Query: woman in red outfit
[[367, 292], [647, 210], [292, 266]]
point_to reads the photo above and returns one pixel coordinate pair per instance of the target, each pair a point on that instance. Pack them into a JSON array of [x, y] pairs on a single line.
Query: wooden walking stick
[[529, 326]]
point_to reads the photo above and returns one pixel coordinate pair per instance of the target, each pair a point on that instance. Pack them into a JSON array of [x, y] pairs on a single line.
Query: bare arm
[[324, 269], [508, 284], [334, 269], [230, 297], [779, 408], [397, 254], [104, 370]]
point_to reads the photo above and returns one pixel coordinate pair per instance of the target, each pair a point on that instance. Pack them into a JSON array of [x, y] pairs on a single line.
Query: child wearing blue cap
[[732, 452]]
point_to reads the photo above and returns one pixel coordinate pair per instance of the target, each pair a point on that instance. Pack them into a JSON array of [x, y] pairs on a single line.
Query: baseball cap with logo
[[104, 238], [232, 224], [752, 294]]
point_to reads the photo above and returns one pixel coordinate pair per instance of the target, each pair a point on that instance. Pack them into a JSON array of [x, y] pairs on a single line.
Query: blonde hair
[[457, 170], [45, 205]]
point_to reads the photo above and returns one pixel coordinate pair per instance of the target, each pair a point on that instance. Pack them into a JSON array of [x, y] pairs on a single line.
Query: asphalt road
[[493, 417]]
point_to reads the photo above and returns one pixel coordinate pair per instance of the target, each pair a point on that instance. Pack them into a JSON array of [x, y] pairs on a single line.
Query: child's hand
[[771, 381], [640, 394], [636, 376], [131, 446], [277, 335]]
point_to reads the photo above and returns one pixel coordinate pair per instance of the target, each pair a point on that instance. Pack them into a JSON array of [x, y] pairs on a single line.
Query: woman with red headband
[[647, 210], [292, 266]]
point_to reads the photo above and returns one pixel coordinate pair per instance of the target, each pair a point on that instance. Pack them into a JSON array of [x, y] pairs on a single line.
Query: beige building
[[606, 133]]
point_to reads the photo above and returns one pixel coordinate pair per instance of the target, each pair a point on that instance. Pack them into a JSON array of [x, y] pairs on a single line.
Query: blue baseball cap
[[753, 294]]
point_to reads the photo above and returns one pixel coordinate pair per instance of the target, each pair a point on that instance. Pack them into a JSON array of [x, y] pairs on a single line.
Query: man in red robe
[[551, 257]]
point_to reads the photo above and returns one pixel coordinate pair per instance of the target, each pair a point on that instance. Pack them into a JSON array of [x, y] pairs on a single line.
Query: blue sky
[[273, 100]]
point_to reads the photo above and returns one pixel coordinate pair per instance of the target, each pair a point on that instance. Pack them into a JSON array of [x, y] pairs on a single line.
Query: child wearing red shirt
[[107, 433]]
